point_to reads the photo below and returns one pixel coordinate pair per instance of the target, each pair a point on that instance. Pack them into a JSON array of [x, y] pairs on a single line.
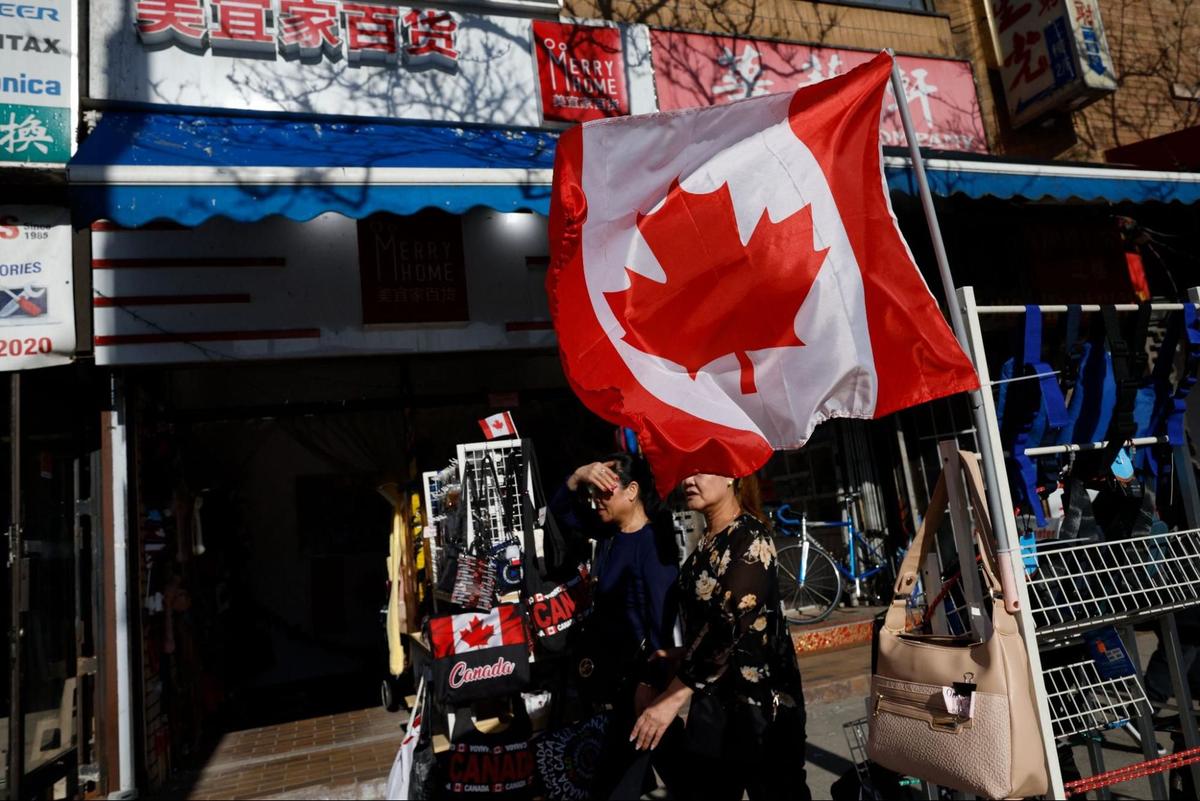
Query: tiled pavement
[[348, 755], [350, 751]]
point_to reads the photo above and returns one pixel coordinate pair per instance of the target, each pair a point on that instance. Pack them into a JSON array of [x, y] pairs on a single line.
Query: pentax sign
[[36, 68], [37, 302], [581, 71], [1053, 55]]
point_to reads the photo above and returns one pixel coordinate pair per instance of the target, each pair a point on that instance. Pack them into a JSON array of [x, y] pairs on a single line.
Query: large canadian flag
[[725, 279]]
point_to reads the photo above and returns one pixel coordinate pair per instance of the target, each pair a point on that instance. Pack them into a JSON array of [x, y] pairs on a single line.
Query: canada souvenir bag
[[479, 655], [953, 710], [558, 591], [568, 759], [496, 764], [410, 774]]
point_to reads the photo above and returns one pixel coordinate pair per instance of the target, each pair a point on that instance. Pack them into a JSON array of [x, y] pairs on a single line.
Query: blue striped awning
[[995, 178], [137, 167]]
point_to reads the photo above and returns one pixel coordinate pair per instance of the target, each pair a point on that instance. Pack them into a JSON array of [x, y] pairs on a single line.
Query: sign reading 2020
[[35, 82]]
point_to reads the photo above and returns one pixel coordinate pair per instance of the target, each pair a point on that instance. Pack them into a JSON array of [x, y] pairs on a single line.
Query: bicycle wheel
[[812, 599]]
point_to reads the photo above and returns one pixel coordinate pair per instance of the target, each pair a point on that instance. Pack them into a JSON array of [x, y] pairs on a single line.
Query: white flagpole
[[992, 467]]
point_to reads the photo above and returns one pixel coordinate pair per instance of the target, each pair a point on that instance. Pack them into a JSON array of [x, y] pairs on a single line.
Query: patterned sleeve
[[734, 586]]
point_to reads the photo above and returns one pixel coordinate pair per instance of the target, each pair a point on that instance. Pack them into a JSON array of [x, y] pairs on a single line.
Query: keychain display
[[474, 582]]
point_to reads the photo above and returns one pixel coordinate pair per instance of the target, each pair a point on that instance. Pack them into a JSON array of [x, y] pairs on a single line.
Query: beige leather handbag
[[996, 752]]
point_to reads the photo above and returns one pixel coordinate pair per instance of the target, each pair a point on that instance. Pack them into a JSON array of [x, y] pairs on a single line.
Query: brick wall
[[1154, 46], [1156, 50], [809, 22]]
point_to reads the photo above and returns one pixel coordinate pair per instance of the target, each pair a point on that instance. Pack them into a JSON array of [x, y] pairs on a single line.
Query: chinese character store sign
[[35, 82], [1053, 55], [581, 71], [304, 30], [692, 69]]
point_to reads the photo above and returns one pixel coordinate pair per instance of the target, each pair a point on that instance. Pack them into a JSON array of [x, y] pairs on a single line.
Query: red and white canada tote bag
[[479, 654]]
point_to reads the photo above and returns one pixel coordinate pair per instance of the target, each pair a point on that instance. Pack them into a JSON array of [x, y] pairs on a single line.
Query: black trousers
[[625, 772], [752, 754]]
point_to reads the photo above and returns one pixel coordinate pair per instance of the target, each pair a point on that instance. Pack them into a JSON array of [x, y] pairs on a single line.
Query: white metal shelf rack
[[1084, 585], [492, 493], [1081, 700]]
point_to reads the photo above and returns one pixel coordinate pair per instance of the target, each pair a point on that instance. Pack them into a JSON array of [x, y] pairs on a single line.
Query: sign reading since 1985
[[37, 302]]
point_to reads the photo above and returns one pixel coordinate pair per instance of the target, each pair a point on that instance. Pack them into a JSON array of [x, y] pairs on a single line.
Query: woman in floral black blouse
[[737, 666]]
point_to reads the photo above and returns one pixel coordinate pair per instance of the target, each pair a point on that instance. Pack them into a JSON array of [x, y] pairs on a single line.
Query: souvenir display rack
[[1078, 587], [491, 473], [435, 485]]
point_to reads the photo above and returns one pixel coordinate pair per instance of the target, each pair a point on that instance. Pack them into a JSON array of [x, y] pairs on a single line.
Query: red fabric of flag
[[724, 279]]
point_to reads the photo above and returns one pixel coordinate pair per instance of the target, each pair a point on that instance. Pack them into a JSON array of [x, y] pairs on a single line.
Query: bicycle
[[810, 579]]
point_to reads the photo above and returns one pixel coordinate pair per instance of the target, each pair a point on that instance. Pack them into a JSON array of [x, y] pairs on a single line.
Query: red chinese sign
[[692, 69], [412, 268], [581, 69], [304, 29]]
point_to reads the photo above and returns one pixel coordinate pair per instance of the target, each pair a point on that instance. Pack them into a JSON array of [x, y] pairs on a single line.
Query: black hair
[[630, 468], [634, 467]]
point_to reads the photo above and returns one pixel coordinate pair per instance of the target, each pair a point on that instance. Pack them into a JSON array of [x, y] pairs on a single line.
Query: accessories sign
[[37, 303]]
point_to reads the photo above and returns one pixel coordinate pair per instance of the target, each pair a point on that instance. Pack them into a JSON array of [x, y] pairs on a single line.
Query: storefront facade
[[315, 247], [49, 410]]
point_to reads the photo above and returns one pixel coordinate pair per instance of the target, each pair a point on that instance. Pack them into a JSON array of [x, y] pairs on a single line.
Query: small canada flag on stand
[[498, 425]]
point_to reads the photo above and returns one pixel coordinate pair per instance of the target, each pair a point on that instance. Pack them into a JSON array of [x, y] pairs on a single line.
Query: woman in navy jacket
[[635, 569]]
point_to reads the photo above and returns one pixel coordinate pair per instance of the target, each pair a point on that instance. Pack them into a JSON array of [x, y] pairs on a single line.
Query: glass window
[[906, 5]]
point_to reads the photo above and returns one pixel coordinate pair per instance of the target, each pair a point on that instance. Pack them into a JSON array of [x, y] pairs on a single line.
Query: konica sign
[[36, 65]]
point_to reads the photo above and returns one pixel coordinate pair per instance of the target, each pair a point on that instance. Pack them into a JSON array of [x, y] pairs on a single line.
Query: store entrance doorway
[[264, 543]]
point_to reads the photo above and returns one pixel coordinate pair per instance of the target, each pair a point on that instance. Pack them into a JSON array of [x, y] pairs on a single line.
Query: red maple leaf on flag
[[719, 296], [476, 634]]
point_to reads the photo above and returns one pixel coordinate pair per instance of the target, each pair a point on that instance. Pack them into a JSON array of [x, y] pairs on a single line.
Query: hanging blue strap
[[1155, 398], [1187, 380], [1069, 378], [1128, 364], [1049, 416], [1161, 405]]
